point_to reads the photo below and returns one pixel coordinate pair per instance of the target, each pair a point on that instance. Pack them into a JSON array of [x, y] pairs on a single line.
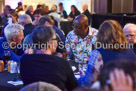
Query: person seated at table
[[55, 14], [47, 21], [37, 15], [111, 45], [12, 14], [4, 15], [130, 33], [14, 17], [19, 7], [25, 20], [46, 10], [30, 12], [43, 66], [80, 40], [13, 37], [87, 13], [74, 13], [62, 12]]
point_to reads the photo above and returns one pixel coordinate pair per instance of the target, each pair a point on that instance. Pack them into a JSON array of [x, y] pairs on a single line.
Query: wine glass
[[6, 57]]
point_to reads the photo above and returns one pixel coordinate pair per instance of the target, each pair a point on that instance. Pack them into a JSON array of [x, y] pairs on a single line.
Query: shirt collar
[[88, 35]]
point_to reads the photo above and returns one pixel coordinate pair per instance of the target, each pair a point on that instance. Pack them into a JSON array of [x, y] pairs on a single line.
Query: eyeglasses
[[76, 27], [55, 38], [130, 35]]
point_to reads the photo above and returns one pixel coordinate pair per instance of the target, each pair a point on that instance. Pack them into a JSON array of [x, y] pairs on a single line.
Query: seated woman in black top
[[43, 66], [74, 12]]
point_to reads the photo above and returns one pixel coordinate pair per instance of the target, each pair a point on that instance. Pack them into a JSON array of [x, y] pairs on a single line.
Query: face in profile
[[60, 7], [37, 17], [53, 44], [46, 9], [31, 9], [20, 37], [84, 8]]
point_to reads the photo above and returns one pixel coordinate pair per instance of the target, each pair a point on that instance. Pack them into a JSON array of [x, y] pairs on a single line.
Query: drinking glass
[[6, 57]]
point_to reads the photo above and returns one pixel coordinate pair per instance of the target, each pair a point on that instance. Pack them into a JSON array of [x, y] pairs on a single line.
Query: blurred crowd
[[106, 57]]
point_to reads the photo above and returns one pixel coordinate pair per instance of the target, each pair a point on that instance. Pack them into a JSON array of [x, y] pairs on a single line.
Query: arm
[[6, 48], [94, 66], [14, 57], [70, 17], [68, 47], [65, 14]]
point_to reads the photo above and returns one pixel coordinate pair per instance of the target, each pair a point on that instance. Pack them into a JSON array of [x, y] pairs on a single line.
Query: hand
[[34, 22], [29, 51], [59, 55], [69, 18], [82, 73], [120, 81]]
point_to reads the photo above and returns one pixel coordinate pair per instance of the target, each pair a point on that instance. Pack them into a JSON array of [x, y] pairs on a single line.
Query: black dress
[[87, 13], [74, 15]]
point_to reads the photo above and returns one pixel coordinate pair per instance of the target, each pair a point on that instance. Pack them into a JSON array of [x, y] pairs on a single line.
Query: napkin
[[15, 83]]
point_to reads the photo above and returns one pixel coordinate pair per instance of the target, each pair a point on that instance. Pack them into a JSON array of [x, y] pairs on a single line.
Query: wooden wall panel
[[116, 6], [128, 6], [134, 5], [100, 6], [1, 5]]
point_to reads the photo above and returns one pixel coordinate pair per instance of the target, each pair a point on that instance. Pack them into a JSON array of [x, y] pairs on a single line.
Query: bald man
[[87, 13], [79, 41], [130, 33]]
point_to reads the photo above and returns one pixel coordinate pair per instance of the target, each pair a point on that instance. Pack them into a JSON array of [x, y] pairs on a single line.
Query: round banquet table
[[4, 86]]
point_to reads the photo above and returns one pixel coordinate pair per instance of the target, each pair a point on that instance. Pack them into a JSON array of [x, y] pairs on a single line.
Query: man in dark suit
[[62, 12], [26, 21], [87, 13]]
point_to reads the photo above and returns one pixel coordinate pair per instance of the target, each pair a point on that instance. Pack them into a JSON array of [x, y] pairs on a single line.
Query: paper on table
[[18, 82], [77, 76], [73, 68]]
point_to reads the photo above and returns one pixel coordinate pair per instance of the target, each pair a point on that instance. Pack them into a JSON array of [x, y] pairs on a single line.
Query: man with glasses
[[130, 33], [43, 65], [79, 41]]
